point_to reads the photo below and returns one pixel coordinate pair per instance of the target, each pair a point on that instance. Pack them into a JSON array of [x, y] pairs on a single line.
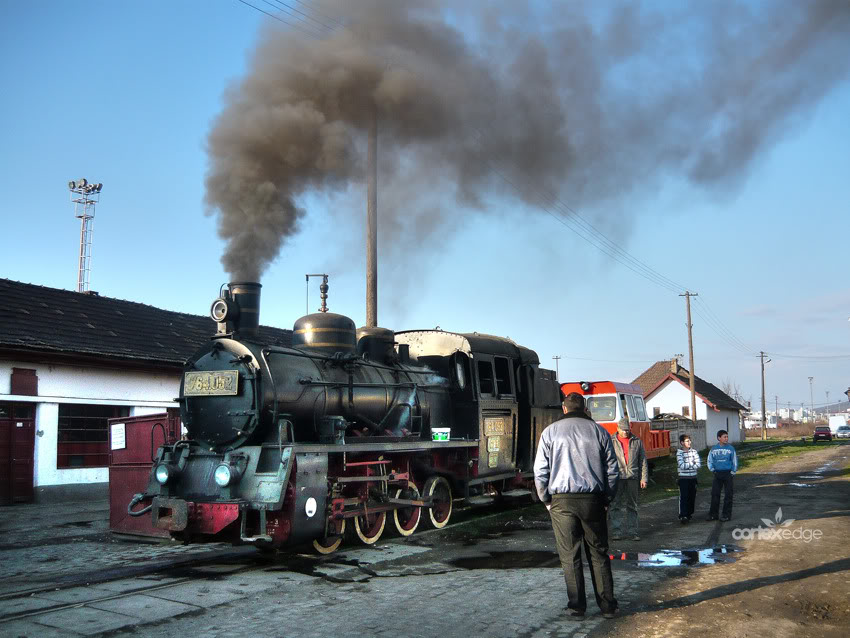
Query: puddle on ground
[[812, 477], [662, 558], [800, 484], [508, 560], [77, 524], [679, 557]]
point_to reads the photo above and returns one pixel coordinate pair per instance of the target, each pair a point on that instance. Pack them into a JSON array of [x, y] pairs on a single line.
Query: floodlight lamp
[[99, 187], [83, 182], [72, 184]]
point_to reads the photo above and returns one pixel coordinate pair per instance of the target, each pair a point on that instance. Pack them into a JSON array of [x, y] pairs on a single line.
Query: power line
[[812, 357], [292, 11], [321, 13], [310, 34]]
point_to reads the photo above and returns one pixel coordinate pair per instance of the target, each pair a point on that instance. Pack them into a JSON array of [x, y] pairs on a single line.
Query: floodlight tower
[[84, 195]]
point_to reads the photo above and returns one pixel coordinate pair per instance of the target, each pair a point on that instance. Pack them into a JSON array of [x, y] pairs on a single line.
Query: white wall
[[723, 420], [673, 396], [143, 392]]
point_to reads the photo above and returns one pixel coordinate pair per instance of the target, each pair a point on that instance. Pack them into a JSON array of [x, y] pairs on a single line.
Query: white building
[[69, 361], [667, 390]]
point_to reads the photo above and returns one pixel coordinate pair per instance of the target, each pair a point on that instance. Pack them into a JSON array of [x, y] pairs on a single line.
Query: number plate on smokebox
[[221, 382]]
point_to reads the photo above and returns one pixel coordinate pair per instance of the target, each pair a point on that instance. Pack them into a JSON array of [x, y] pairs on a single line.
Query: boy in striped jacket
[[688, 461]]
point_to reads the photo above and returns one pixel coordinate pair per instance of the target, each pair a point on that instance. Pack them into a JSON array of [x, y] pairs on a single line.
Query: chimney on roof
[[674, 365]]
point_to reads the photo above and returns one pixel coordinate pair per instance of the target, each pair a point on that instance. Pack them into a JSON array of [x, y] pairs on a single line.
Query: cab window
[[503, 376], [485, 378], [640, 409], [630, 402], [602, 408]]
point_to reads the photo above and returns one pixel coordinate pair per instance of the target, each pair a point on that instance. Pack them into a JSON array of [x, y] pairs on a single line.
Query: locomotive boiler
[[346, 429]]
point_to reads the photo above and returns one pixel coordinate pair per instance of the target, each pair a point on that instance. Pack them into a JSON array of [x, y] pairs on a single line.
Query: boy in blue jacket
[[723, 461], [688, 461]]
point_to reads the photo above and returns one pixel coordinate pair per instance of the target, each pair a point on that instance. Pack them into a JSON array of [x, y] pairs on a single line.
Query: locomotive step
[[481, 500], [517, 492]]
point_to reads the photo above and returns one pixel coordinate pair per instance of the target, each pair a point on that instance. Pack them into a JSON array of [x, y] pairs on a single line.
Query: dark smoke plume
[[587, 102]]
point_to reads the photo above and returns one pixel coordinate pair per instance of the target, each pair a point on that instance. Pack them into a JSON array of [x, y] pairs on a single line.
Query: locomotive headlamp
[[165, 473], [218, 311], [585, 386], [226, 474]]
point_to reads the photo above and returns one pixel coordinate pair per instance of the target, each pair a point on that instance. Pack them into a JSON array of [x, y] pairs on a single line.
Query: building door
[[17, 451]]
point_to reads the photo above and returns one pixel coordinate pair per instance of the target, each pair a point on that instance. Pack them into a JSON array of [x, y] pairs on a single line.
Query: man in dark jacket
[[634, 471], [575, 473]]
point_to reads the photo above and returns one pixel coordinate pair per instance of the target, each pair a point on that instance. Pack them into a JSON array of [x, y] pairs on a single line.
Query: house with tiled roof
[[666, 387], [69, 361]]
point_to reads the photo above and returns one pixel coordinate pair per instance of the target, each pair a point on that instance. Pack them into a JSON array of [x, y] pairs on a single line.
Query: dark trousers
[[580, 520], [722, 481], [623, 513], [687, 496]]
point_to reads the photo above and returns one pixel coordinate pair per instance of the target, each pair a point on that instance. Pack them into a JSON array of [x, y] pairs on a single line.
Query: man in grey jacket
[[575, 473], [634, 470]]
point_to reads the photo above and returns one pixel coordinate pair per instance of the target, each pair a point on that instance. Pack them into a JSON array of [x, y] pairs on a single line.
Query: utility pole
[[763, 407], [827, 405], [687, 297], [557, 358], [776, 398], [811, 399]]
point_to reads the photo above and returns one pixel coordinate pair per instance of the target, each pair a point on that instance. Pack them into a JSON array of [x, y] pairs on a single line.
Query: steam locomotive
[[345, 429]]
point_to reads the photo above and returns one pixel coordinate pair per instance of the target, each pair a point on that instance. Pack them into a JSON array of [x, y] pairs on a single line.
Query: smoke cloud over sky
[[582, 102]]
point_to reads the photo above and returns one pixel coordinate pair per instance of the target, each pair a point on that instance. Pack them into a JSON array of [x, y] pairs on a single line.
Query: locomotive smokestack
[[246, 294], [372, 226]]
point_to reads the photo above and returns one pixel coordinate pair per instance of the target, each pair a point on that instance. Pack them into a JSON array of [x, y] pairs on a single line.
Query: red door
[[17, 450]]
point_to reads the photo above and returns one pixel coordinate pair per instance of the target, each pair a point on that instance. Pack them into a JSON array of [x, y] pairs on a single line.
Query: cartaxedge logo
[[776, 530]]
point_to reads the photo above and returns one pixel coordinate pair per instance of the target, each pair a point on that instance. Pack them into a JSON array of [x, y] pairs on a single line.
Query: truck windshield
[[602, 408]]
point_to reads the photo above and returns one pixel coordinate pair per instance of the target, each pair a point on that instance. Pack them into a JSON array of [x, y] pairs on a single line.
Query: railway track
[[232, 561]]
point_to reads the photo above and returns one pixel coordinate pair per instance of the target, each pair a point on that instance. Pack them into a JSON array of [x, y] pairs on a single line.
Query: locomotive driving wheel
[[370, 526], [440, 492], [330, 544], [406, 519]]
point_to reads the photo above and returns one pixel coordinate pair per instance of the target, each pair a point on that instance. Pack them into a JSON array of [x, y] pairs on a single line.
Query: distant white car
[[843, 432]]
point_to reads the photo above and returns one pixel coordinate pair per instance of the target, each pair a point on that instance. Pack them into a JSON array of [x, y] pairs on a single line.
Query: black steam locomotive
[[345, 428]]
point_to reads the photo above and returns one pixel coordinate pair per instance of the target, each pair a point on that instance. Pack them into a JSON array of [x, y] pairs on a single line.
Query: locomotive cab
[[610, 401]]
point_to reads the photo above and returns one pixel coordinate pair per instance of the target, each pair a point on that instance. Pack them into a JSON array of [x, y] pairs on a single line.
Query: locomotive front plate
[[219, 382]]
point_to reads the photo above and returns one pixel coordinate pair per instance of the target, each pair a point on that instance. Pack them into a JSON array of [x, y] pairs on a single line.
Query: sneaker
[[711, 518], [683, 520], [609, 614], [575, 613], [635, 537], [616, 538], [724, 518]]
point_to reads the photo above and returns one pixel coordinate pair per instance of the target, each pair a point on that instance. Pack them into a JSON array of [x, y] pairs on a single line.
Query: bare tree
[[732, 388]]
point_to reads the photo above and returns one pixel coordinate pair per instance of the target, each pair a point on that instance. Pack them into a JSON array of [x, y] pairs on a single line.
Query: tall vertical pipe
[[372, 226]]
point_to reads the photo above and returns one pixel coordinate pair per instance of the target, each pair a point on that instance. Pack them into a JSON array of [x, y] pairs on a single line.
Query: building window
[[84, 434], [24, 381], [686, 410]]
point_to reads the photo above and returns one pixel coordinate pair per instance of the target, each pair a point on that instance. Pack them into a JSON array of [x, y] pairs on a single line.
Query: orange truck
[[609, 401]]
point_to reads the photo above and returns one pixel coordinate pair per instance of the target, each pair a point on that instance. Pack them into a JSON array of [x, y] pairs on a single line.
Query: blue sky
[[125, 94]]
